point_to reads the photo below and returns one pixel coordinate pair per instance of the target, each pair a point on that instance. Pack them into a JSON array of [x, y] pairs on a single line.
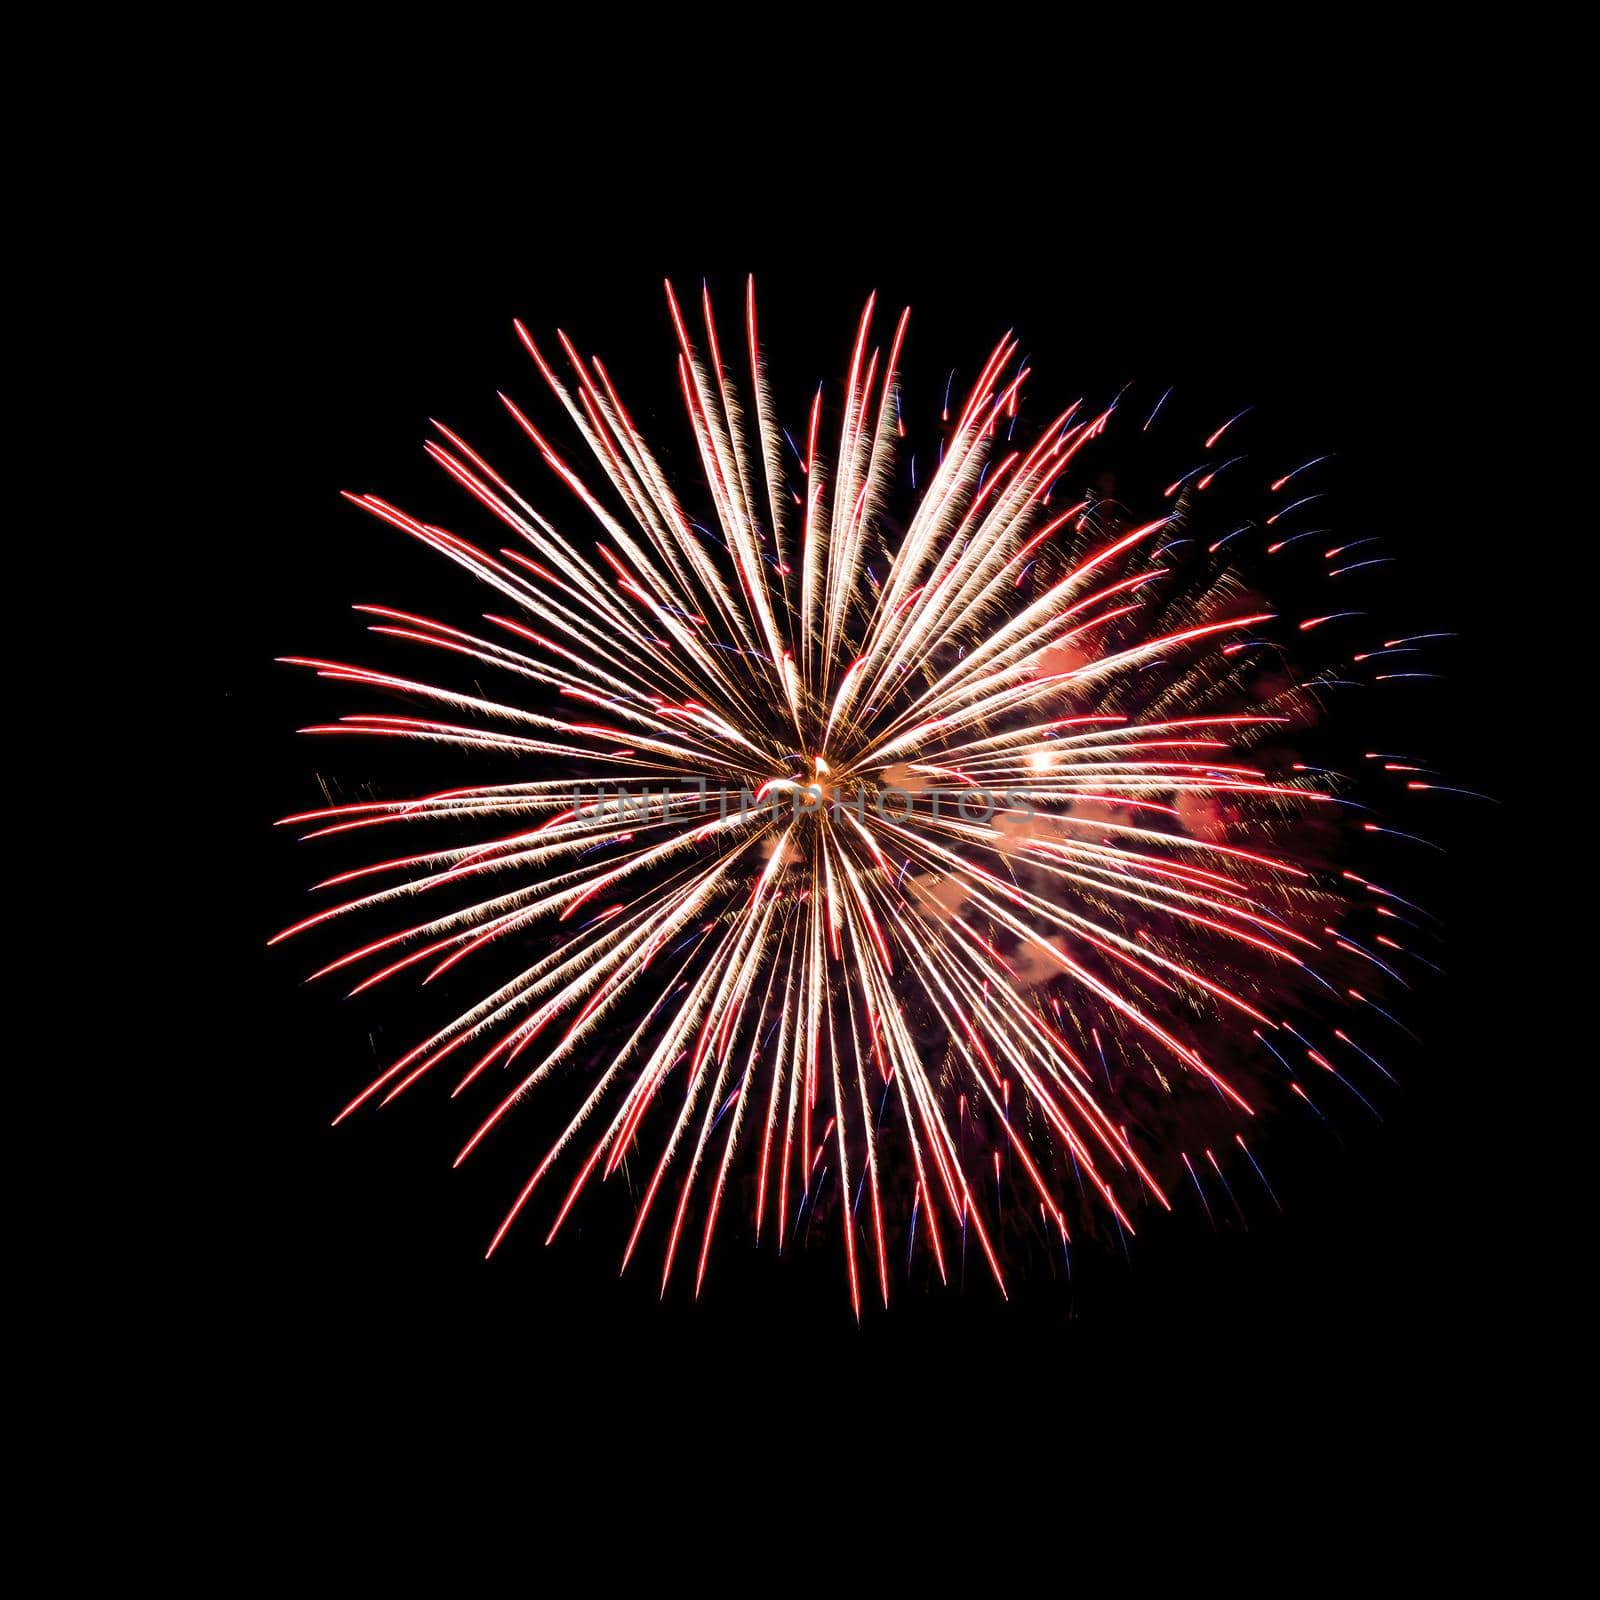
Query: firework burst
[[848, 855]]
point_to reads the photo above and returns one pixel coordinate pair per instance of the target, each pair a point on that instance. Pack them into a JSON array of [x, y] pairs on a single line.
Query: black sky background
[[1337, 318]]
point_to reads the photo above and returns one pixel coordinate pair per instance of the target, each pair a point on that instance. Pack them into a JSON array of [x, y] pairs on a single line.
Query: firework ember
[[916, 840]]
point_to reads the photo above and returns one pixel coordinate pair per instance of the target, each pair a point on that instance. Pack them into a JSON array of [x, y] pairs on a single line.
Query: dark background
[[1333, 309]]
